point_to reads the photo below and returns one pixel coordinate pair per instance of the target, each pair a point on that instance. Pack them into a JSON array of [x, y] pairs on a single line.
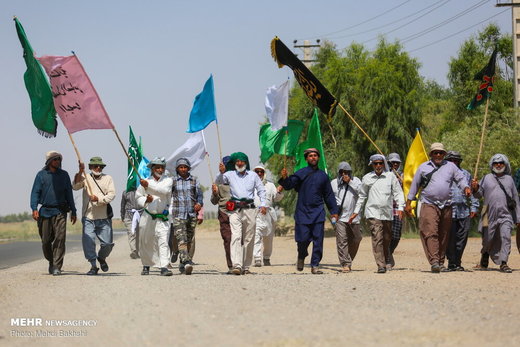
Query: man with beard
[[265, 223], [379, 189], [241, 208], [96, 218], [500, 213], [461, 217], [434, 177], [314, 189], [154, 195], [53, 191]]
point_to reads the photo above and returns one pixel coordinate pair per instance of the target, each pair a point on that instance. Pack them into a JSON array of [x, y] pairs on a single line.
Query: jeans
[[100, 229]]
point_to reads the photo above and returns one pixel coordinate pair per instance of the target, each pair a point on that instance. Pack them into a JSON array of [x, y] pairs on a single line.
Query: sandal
[[346, 269], [506, 269]]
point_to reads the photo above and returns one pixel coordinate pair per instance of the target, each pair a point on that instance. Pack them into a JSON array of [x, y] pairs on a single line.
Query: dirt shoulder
[[276, 306]]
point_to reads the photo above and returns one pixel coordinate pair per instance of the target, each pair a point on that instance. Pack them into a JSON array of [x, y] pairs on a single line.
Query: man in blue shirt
[[461, 217], [52, 190], [313, 187], [242, 211]]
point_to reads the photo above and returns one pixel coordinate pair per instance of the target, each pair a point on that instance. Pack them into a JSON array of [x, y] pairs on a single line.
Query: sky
[[149, 59]]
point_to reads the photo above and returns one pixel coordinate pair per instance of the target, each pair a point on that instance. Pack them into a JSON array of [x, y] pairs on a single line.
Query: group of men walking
[[162, 213]]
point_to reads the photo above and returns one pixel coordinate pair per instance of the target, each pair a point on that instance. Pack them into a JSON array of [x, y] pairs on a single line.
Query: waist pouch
[[233, 205]]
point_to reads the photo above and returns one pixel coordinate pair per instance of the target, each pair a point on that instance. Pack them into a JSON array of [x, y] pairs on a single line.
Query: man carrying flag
[[314, 189]]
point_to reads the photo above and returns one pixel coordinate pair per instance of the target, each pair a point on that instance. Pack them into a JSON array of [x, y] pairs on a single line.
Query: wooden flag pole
[[219, 142], [285, 152], [126, 153], [481, 139], [360, 128], [209, 168], [89, 188]]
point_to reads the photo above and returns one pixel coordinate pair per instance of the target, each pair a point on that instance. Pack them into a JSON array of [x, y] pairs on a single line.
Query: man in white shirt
[[265, 224], [348, 235], [379, 189]]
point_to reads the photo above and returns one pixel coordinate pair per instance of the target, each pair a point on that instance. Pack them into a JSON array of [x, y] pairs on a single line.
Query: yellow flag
[[415, 157]]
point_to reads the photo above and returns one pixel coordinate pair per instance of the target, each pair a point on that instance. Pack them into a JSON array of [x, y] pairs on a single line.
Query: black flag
[[318, 94]]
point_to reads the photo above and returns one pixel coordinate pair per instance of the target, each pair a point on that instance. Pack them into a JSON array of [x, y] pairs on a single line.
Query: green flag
[[283, 141], [37, 85], [135, 156], [313, 140]]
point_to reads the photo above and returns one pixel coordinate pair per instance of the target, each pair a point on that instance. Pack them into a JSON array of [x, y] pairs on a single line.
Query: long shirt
[[222, 196], [351, 197], [459, 204], [438, 191], [128, 203], [161, 192], [186, 193], [94, 210], [495, 199], [52, 189], [271, 196], [314, 189], [379, 193], [243, 185]]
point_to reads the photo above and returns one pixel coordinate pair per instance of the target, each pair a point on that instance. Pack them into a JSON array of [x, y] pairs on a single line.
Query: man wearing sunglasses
[[96, 219], [53, 192], [379, 189], [500, 213], [433, 179]]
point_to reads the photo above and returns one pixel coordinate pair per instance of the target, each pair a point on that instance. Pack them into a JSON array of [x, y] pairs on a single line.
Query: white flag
[[277, 105], [193, 149]]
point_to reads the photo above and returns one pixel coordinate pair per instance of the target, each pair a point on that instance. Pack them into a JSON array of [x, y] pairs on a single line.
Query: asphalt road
[[21, 252]]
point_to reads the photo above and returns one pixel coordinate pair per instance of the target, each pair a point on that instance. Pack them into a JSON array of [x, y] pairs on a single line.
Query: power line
[[407, 23], [363, 22], [443, 23], [458, 32], [393, 22]]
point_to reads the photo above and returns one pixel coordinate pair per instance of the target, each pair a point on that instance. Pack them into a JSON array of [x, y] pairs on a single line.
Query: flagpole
[[286, 145], [104, 110], [89, 188], [481, 138], [219, 142], [360, 128], [207, 157]]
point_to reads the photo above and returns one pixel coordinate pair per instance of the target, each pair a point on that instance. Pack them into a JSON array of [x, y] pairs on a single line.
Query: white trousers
[[242, 224], [153, 241], [264, 235]]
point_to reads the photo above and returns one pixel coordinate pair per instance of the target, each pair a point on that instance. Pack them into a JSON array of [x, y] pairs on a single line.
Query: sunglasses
[[376, 163], [499, 163], [97, 166], [259, 171], [57, 158], [437, 152]]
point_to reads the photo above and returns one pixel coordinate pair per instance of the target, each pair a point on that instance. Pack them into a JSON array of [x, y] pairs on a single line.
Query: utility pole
[[515, 6], [307, 51]]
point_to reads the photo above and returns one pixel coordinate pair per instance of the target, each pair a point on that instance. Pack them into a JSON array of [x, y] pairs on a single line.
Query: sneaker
[[175, 256], [258, 263], [56, 272], [146, 270], [267, 262], [93, 271], [166, 272], [436, 268], [299, 264], [459, 268], [237, 270], [188, 268], [103, 264], [182, 268], [381, 270]]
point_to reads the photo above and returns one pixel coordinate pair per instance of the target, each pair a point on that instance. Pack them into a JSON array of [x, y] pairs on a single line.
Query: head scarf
[[157, 161], [377, 157], [500, 158], [49, 156], [343, 166], [230, 166]]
